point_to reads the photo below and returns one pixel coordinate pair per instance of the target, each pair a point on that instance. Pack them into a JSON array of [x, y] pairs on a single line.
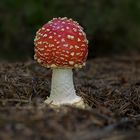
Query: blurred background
[[112, 26]]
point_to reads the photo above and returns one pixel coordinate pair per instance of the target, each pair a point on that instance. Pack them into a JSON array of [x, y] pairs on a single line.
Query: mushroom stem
[[62, 88]]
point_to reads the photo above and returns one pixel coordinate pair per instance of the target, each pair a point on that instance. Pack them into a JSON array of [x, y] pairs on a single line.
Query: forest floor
[[111, 86]]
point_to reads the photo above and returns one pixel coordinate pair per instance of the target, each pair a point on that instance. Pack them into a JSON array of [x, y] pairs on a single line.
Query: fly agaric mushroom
[[61, 45]]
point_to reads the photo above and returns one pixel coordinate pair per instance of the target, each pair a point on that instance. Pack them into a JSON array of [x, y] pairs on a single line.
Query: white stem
[[62, 88]]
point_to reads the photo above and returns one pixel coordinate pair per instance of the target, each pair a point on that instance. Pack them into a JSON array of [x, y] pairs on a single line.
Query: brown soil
[[111, 86]]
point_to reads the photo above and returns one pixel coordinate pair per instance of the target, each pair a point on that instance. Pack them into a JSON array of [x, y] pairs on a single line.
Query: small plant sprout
[[62, 46]]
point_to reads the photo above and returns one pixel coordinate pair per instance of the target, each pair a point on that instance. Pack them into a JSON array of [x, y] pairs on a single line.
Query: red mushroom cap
[[61, 43]]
